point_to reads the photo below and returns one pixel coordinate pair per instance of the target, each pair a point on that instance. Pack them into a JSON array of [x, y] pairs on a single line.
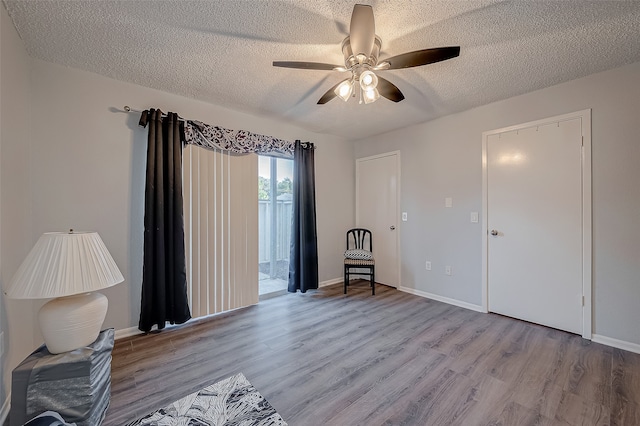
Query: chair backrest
[[359, 238]]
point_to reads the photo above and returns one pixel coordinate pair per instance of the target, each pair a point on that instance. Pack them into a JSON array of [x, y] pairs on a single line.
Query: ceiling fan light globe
[[344, 90], [371, 95], [368, 80]]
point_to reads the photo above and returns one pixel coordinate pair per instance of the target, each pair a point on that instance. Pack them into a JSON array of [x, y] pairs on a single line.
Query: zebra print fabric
[[230, 402]]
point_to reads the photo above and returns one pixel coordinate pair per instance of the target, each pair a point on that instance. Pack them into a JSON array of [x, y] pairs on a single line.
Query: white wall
[[442, 159], [15, 195]]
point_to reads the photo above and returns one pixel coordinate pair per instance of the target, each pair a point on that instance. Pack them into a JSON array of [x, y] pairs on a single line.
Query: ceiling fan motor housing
[[351, 60]]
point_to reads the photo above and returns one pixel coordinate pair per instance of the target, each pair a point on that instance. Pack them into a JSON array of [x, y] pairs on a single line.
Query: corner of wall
[[15, 195]]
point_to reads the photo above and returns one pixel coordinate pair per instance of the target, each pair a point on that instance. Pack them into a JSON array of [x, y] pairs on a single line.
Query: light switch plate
[[474, 217], [447, 270], [427, 265], [404, 216], [448, 202]]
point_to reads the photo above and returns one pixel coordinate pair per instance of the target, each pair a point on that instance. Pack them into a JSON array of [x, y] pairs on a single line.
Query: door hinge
[[582, 300]]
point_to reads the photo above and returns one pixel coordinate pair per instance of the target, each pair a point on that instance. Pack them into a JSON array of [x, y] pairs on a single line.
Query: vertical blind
[[221, 229]]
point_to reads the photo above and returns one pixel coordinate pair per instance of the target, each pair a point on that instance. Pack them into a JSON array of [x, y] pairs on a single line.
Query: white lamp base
[[72, 322]]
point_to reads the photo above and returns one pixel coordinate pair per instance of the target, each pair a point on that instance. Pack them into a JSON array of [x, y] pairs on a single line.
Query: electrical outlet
[[448, 202], [447, 270], [427, 265]]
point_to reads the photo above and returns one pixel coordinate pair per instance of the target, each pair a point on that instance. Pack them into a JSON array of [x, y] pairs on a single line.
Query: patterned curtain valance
[[236, 141]]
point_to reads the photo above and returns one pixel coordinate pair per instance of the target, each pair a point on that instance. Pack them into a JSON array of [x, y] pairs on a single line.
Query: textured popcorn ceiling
[[220, 51]]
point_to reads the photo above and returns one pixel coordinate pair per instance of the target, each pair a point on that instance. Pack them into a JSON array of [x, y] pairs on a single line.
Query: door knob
[[392, 227], [494, 232]]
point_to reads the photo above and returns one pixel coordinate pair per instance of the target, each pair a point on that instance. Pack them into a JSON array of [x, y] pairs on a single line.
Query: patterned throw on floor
[[230, 402]]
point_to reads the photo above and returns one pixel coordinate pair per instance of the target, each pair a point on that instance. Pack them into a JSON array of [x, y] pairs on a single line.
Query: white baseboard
[[330, 282], [443, 299], [127, 332], [4, 412], [609, 341], [620, 344], [134, 331]]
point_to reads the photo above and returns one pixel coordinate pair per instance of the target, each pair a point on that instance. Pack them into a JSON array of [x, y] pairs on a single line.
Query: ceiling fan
[[361, 49]]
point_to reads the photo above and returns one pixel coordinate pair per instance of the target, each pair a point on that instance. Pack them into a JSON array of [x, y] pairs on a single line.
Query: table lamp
[[70, 267]]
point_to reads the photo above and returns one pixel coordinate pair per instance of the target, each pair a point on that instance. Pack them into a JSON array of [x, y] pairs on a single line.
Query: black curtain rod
[[308, 145], [127, 108]]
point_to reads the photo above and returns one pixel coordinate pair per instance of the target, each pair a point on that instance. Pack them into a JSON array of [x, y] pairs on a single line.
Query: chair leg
[[346, 278], [373, 281]]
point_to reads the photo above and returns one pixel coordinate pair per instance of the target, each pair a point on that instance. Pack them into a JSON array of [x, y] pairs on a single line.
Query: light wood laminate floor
[[324, 358]]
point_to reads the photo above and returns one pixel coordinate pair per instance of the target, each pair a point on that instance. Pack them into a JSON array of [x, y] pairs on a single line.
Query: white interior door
[[377, 189], [534, 222]]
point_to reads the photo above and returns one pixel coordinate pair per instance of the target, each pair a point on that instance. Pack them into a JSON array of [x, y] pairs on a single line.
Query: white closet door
[[534, 221]]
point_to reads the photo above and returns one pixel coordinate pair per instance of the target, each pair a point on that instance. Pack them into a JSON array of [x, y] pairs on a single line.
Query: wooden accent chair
[[358, 257]]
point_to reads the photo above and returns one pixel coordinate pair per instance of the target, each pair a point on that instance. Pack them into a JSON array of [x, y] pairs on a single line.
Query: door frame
[[587, 284], [396, 154]]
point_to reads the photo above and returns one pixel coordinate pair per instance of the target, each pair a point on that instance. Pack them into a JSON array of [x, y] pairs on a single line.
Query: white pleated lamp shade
[[68, 268], [64, 264]]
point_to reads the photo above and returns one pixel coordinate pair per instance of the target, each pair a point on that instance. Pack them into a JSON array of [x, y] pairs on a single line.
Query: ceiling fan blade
[[330, 94], [422, 57], [389, 90], [362, 30], [305, 65]]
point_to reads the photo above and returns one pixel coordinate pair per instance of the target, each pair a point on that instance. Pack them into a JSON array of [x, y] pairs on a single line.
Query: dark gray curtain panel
[[303, 259], [164, 278]]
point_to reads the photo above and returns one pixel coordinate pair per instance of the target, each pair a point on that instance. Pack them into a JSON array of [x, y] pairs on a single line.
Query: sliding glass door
[[274, 222]]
